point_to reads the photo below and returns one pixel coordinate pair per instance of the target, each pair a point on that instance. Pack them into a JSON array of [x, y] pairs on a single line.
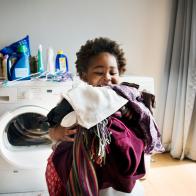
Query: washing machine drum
[[24, 140], [27, 129]]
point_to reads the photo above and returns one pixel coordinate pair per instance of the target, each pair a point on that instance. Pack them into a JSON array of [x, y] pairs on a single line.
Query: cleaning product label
[[62, 63], [21, 72], [12, 49]]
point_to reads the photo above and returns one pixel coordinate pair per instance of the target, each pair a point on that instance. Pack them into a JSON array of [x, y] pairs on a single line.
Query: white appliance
[[24, 147], [146, 84], [22, 160]]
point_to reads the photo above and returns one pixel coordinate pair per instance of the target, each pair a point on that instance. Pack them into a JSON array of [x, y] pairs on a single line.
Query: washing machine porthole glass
[[27, 129]]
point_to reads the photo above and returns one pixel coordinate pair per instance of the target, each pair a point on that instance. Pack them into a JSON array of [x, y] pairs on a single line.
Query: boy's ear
[[84, 76]]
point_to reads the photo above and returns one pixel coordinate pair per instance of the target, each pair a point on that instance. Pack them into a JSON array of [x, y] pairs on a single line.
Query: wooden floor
[[170, 177], [167, 177]]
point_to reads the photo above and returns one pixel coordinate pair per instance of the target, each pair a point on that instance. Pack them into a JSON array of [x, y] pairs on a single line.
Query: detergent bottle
[[50, 66], [40, 59], [18, 66], [61, 62]]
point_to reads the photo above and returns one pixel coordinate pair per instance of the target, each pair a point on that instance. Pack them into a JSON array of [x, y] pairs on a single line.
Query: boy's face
[[102, 70]]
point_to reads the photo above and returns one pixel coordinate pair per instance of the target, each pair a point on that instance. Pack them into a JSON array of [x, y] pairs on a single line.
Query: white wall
[[141, 26]]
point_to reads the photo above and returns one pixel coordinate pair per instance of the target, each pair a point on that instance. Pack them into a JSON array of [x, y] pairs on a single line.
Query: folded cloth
[[92, 104], [70, 120]]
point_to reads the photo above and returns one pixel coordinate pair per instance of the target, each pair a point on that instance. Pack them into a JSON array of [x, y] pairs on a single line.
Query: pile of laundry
[[115, 128]]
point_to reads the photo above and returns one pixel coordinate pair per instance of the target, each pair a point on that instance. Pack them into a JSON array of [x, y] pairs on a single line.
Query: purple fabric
[[125, 160], [62, 160], [142, 122]]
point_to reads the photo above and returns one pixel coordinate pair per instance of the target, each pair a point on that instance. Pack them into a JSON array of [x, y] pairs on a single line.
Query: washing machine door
[[24, 141]]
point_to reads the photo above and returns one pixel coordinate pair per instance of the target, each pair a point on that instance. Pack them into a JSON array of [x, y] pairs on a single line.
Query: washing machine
[[24, 142]]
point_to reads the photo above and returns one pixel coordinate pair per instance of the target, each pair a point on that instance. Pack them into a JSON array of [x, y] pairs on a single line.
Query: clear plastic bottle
[[1, 66], [50, 67], [4, 67]]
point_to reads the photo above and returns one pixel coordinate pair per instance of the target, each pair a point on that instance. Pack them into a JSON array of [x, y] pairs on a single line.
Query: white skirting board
[[45, 193]]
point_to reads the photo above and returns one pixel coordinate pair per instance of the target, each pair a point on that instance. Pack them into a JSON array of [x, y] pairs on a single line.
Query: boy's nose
[[107, 79]]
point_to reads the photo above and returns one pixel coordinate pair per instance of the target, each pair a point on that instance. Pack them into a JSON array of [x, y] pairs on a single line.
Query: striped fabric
[[82, 180]]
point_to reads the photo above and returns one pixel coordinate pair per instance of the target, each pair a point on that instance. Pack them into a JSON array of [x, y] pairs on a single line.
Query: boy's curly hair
[[95, 47]]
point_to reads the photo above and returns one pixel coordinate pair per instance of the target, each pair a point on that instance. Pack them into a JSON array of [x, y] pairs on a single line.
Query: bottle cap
[[60, 52], [22, 49], [40, 47]]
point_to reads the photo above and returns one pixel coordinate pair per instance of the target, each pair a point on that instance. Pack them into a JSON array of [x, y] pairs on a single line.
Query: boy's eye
[[99, 73], [113, 73]]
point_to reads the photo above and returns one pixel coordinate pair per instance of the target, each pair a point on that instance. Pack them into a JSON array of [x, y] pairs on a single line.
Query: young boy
[[99, 62]]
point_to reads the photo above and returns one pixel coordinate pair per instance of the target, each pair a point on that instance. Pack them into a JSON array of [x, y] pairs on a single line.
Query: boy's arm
[[54, 118], [56, 115]]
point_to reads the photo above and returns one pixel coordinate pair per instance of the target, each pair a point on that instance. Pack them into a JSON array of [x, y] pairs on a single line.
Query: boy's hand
[[62, 134]]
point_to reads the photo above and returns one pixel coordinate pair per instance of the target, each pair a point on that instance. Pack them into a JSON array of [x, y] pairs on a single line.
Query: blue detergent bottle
[[21, 67], [61, 62]]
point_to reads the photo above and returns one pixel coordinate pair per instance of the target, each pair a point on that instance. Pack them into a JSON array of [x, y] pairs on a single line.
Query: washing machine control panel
[[33, 91], [29, 94]]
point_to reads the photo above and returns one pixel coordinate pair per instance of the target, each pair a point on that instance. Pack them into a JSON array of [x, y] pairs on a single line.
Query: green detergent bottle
[[40, 67]]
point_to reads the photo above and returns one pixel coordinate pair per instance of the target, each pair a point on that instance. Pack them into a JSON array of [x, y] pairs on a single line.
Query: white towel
[[91, 104]]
